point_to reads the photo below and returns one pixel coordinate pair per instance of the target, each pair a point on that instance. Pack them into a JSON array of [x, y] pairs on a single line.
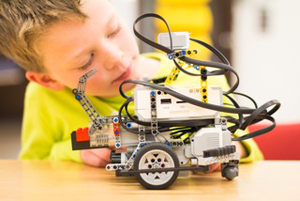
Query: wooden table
[[43, 180]]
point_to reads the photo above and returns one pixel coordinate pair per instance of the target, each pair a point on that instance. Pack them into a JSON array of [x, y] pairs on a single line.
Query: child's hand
[[212, 168], [96, 157]]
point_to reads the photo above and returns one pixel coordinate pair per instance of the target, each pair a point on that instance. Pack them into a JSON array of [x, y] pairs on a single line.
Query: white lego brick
[[180, 40], [171, 108]]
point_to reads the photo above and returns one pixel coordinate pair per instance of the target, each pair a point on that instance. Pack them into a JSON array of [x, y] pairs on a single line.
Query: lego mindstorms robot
[[174, 128]]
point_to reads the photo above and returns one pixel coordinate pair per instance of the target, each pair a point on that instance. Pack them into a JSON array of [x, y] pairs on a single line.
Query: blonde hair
[[22, 22]]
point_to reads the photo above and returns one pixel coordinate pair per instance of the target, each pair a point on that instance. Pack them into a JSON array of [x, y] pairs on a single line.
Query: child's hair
[[22, 22]]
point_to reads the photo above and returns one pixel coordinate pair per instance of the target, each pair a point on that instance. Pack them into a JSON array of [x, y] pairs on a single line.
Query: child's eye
[[115, 32], [88, 63]]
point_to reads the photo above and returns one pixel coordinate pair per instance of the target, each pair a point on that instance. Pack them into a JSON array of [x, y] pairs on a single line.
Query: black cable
[[258, 132], [251, 99], [150, 42], [213, 49], [236, 105]]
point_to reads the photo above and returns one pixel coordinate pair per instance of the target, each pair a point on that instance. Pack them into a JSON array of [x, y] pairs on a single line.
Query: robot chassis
[[156, 164]]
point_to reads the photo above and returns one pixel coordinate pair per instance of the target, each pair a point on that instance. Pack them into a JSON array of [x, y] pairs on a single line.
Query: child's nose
[[112, 58]]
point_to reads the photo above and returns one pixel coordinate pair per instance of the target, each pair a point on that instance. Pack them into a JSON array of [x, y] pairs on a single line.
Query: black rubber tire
[[143, 151], [230, 172]]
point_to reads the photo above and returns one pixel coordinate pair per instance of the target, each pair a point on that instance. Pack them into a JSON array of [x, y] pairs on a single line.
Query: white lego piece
[[180, 40], [171, 108]]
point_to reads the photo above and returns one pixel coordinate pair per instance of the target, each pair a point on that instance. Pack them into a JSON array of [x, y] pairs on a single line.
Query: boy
[[58, 41]]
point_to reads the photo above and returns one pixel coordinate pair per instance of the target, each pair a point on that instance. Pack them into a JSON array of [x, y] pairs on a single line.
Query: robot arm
[[84, 101]]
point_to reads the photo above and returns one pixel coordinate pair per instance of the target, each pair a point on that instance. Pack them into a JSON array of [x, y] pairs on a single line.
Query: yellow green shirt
[[51, 116]]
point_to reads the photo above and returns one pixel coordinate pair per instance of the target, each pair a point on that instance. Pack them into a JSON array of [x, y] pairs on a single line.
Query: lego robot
[[174, 129]]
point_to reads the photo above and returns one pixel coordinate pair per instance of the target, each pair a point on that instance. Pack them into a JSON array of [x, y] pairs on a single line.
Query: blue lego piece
[[128, 125], [115, 120], [168, 143], [152, 93]]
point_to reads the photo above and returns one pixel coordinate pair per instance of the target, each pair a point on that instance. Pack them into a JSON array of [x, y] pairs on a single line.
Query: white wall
[[128, 9], [268, 62]]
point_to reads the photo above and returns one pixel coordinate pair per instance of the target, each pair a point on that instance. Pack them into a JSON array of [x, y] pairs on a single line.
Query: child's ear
[[44, 80]]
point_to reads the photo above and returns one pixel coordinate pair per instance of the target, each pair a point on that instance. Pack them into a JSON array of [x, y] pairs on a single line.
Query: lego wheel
[[229, 171], [156, 156]]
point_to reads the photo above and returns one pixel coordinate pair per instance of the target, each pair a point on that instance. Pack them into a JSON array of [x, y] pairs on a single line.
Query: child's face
[[102, 41]]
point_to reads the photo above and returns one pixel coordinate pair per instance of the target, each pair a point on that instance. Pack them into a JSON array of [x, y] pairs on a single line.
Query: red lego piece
[[82, 134], [116, 128]]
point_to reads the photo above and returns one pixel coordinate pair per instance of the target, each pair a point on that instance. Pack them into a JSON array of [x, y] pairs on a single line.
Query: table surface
[[45, 180]]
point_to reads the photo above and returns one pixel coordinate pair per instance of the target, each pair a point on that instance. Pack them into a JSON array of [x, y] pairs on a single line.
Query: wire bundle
[[246, 116]]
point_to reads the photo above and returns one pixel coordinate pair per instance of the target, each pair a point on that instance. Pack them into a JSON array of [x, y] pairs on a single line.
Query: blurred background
[[259, 37]]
